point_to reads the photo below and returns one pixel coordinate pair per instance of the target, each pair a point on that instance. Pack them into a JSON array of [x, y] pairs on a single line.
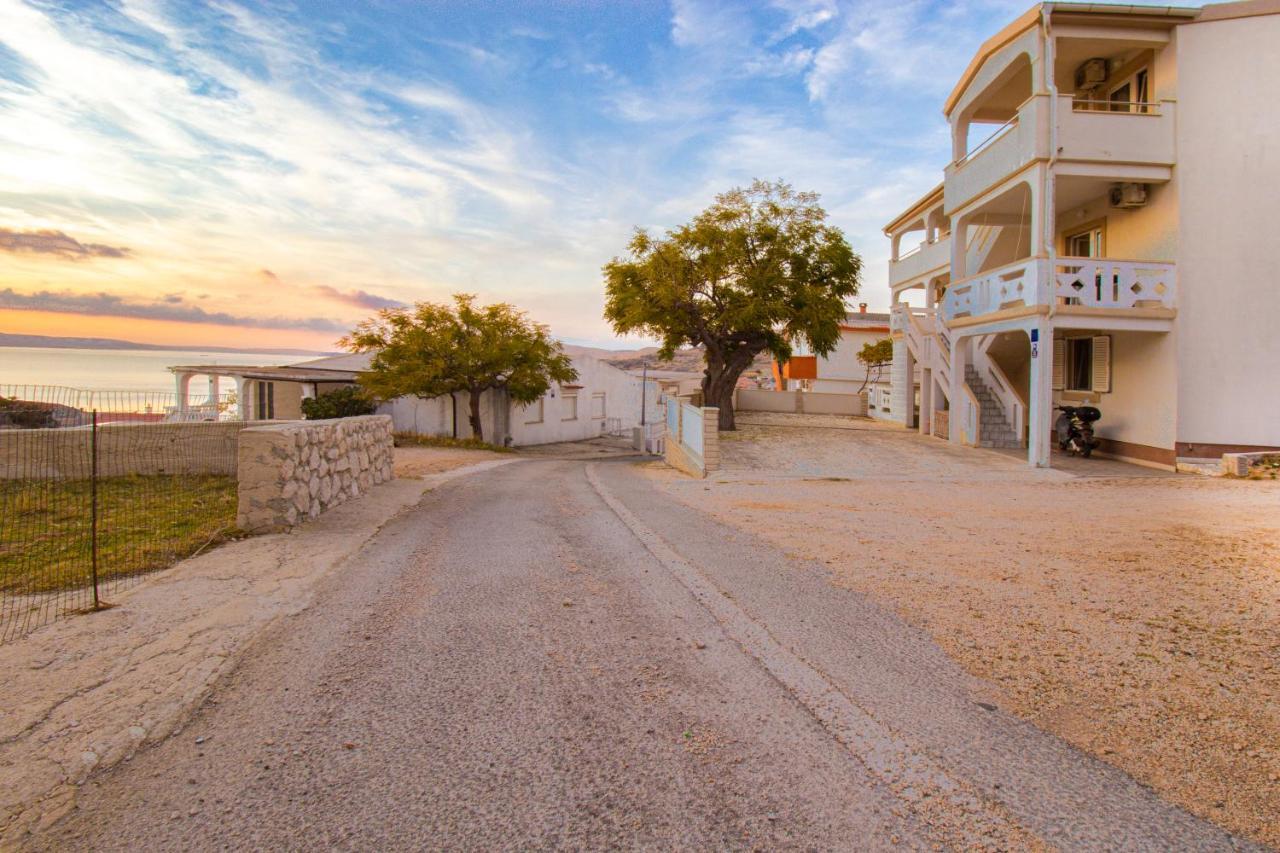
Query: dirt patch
[[1137, 617], [414, 462]]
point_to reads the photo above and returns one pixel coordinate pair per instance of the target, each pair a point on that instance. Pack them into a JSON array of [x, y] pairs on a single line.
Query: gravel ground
[[1134, 614], [553, 654], [418, 462]]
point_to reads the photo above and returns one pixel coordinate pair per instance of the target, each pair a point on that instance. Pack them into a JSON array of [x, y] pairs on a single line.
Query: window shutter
[[1102, 364], [1059, 363]]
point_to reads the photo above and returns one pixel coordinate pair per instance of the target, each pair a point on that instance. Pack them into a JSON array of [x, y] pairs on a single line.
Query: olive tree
[[874, 357], [430, 349], [758, 270]]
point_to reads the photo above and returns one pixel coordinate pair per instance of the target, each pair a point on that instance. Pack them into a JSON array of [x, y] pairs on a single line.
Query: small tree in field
[[756, 271], [874, 356], [430, 350]]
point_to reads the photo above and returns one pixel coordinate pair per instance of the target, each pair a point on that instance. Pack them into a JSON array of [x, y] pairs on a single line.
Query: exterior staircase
[[994, 429]]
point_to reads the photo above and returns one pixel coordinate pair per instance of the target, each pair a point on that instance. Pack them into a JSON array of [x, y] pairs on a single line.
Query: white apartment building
[[1101, 237]]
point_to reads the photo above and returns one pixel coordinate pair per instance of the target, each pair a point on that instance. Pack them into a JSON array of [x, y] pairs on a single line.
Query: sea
[[118, 369]]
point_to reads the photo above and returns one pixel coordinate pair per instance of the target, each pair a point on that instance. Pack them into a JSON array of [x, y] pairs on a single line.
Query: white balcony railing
[[1089, 282], [1129, 133], [1111, 283], [923, 259]]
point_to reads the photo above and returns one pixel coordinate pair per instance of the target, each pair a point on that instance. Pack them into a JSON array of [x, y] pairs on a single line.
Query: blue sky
[[274, 172]]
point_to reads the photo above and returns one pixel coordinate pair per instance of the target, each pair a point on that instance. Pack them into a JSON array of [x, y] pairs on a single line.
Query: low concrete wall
[[942, 423], [684, 458], [295, 471], [801, 402], [123, 449]]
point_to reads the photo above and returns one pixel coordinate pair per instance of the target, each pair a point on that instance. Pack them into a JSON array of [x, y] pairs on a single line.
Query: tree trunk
[[720, 380], [477, 431]]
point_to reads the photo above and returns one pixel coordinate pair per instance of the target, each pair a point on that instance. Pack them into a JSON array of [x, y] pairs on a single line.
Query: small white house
[[603, 400]]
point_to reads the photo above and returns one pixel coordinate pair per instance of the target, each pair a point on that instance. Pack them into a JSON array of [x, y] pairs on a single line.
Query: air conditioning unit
[[1091, 75], [1128, 195]]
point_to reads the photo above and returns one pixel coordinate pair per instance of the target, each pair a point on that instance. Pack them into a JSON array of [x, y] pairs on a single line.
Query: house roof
[[286, 373], [1031, 18], [345, 361], [928, 200]]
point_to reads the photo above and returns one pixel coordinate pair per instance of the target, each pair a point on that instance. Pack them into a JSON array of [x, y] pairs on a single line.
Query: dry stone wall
[[294, 471]]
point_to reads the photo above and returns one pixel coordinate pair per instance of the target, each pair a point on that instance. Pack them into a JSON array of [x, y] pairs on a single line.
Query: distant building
[[602, 400], [840, 372]]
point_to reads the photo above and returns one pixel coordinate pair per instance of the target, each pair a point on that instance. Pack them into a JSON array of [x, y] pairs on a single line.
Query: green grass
[[407, 439], [144, 524]]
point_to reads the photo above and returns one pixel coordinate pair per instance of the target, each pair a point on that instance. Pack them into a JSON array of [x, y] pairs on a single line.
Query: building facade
[[1097, 237], [603, 400], [839, 371]]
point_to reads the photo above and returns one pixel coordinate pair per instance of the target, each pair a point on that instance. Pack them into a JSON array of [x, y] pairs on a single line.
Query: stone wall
[[294, 471], [124, 449]]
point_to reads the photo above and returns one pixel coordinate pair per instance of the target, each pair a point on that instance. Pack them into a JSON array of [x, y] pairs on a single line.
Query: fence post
[[93, 507]]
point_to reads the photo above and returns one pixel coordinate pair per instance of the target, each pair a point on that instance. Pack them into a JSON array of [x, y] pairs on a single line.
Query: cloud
[[57, 243], [110, 305], [357, 298]]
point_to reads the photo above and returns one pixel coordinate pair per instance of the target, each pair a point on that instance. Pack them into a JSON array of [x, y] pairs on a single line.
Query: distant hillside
[[689, 360], [12, 340]]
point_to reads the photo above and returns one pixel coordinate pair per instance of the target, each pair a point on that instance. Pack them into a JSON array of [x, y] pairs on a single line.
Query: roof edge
[[918, 205]]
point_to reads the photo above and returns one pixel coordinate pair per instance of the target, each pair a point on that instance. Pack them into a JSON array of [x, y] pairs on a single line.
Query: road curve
[[551, 655]]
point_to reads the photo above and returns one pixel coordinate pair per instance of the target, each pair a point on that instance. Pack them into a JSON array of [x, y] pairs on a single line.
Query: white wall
[[621, 400], [1229, 171], [1141, 407], [621, 393]]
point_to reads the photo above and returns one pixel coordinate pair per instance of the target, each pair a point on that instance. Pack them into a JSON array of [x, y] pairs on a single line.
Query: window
[[569, 406], [533, 412], [266, 410], [597, 406], [1085, 244], [1082, 364], [1131, 95], [1079, 364]]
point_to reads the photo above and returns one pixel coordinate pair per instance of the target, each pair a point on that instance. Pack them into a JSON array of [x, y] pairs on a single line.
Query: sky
[[268, 174]]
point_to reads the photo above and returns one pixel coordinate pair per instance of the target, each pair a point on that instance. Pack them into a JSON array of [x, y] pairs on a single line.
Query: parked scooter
[[1075, 429]]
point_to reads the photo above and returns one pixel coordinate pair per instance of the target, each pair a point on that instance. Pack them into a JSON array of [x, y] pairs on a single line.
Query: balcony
[[925, 258], [1119, 135], [1011, 146], [1105, 132], [1094, 287]]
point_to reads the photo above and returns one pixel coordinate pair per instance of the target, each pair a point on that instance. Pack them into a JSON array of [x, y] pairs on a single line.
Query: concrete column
[[244, 406], [711, 438], [1040, 404], [959, 248], [212, 399], [959, 358], [909, 409], [182, 387], [926, 402]]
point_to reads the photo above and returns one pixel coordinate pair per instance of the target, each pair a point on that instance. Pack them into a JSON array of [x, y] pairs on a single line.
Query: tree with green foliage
[[348, 401], [431, 349], [874, 356], [759, 270]]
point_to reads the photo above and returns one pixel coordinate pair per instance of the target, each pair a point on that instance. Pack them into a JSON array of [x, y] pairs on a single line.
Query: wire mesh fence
[[100, 487]]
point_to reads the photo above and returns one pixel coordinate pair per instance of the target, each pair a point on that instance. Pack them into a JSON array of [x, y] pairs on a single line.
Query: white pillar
[[909, 409], [213, 390], [959, 358], [926, 402], [182, 387], [1040, 404], [244, 406]]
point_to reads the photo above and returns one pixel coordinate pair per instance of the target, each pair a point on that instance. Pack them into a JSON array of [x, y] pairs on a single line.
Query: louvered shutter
[[1102, 364], [1059, 363]]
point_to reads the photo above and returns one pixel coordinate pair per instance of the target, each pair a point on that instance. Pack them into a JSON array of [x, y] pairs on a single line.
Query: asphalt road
[[549, 655]]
